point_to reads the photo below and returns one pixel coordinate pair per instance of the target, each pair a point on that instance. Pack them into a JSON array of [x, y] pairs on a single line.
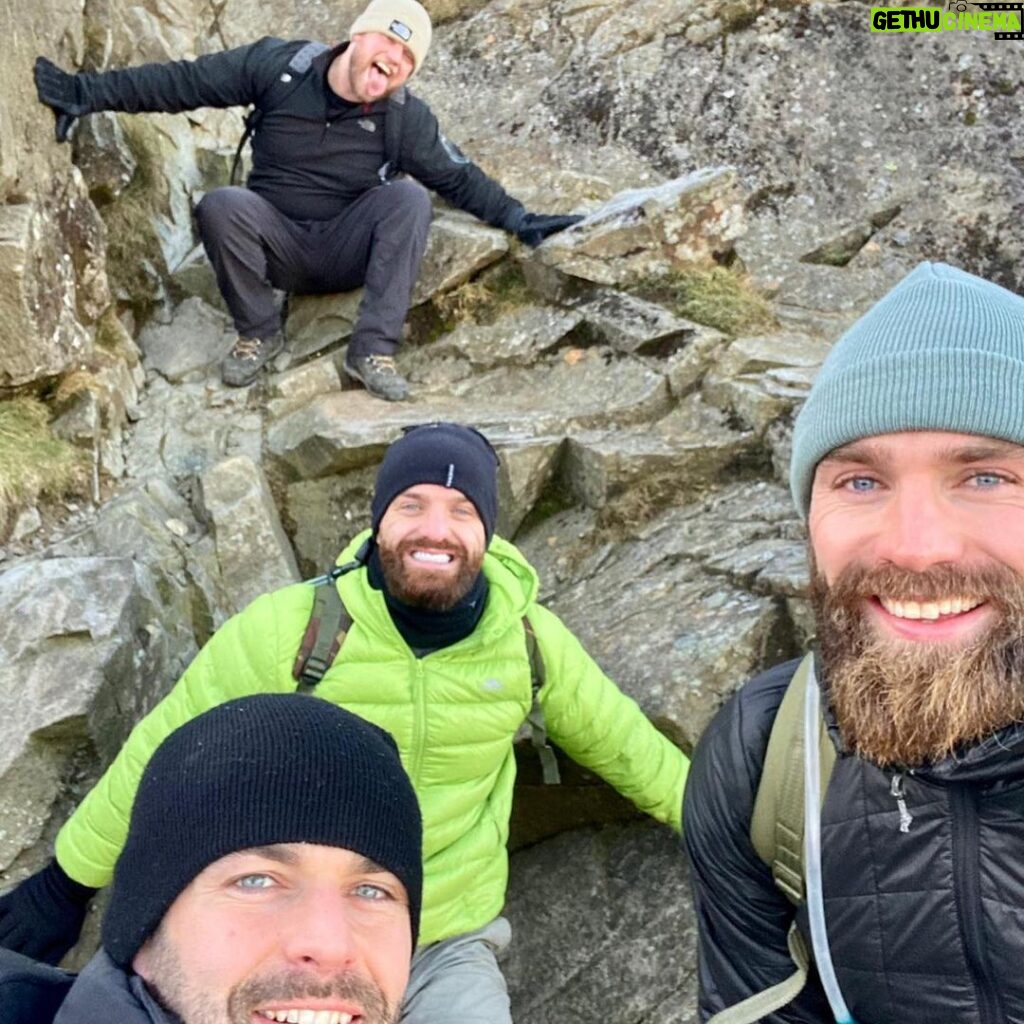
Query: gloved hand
[[533, 228], [61, 92], [43, 916]]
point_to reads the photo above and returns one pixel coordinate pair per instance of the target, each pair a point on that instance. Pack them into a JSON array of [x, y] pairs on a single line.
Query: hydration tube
[[812, 854]]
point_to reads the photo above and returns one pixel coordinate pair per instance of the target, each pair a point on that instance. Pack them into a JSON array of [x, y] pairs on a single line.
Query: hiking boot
[[379, 375], [243, 363]]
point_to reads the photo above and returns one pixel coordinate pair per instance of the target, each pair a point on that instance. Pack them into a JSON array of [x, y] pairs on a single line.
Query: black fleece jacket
[[312, 154], [925, 926]]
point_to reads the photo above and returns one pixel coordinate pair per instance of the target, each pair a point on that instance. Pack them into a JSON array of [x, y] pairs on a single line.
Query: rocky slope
[[643, 441]]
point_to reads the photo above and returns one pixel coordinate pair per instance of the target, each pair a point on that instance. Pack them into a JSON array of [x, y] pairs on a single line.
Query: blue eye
[[372, 892], [861, 484], [255, 882], [987, 480]]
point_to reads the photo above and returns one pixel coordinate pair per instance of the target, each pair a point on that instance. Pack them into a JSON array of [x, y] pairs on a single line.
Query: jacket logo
[[366, 124], [492, 685]]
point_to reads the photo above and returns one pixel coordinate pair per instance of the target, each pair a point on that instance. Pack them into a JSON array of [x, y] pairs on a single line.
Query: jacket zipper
[[419, 720], [967, 893]]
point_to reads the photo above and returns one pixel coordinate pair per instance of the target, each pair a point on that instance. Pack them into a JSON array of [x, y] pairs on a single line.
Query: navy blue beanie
[[447, 454], [260, 770]]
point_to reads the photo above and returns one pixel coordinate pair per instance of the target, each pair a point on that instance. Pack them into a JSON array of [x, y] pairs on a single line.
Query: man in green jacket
[[437, 655]]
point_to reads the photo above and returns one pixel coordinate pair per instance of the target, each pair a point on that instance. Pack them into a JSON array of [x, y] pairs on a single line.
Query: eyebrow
[[282, 854], [869, 453]]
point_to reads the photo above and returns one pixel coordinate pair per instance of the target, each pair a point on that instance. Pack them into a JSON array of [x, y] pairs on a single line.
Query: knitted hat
[[944, 350], [440, 453], [405, 21], [265, 769]]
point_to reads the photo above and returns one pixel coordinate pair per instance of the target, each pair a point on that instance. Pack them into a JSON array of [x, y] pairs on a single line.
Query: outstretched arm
[[601, 728], [231, 78], [440, 165]]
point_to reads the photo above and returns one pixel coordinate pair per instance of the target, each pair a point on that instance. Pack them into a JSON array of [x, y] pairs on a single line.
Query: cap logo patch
[[451, 474], [400, 29]]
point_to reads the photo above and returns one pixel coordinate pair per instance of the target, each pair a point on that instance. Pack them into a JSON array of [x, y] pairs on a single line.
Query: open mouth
[[384, 68], [930, 611], [432, 557], [297, 1016]]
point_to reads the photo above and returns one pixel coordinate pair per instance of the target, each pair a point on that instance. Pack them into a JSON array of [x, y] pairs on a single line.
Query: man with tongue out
[[908, 467], [323, 209], [438, 655]]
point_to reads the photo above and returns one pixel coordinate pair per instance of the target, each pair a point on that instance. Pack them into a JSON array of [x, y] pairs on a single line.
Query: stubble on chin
[[905, 703]]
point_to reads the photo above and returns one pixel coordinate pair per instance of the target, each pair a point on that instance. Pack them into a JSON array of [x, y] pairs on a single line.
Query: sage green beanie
[[944, 350]]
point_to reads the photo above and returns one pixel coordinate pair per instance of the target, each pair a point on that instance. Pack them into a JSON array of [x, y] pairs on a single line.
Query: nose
[[318, 933], [434, 524], [920, 528]]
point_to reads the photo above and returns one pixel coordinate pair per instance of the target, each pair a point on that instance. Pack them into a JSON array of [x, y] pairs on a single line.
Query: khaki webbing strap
[[535, 719], [329, 623], [777, 824], [759, 1005]]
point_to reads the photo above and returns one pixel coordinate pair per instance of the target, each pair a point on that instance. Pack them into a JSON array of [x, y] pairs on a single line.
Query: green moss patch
[[33, 462]]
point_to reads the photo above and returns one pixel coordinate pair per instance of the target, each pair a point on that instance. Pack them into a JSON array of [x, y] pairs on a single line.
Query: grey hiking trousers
[[458, 981], [377, 242]]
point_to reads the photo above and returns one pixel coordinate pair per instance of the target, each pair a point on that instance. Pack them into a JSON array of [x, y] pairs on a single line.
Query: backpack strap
[[293, 74], [393, 136], [777, 833], [329, 623], [760, 1004], [535, 719], [777, 824]]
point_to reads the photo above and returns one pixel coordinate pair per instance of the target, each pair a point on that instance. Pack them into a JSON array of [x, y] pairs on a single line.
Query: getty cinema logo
[[1002, 20]]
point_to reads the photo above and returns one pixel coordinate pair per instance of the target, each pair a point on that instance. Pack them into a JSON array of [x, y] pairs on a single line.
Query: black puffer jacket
[[312, 154], [925, 927]]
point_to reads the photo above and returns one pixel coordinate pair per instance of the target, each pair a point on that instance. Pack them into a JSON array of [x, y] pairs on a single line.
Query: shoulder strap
[[393, 136], [760, 1004], [329, 623], [293, 74], [777, 824], [535, 719]]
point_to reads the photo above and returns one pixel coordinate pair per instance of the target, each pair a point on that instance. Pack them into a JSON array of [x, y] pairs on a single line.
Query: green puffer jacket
[[452, 713]]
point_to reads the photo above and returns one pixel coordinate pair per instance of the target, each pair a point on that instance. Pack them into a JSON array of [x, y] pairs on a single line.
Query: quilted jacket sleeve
[[251, 653], [742, 918], [601, 728]]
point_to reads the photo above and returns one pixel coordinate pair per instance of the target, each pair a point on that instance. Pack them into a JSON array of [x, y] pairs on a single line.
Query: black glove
[[61, 92], [533, 228], [43, 915]]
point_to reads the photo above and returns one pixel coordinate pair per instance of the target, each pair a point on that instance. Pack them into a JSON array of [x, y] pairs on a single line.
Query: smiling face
[[917, 542], [288, 932], [431, 542], [372, 67]]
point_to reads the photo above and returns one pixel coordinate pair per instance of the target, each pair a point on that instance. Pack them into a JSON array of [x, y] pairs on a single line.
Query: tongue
[[376, 80]]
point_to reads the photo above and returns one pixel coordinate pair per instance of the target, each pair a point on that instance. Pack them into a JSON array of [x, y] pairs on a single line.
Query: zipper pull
[[896, 789]]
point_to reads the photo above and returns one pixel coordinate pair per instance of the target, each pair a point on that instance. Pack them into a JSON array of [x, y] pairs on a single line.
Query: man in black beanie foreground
[[438, 652], [272, 871]]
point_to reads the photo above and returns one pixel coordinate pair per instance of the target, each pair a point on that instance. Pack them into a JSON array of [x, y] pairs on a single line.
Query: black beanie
[[265, 769], [447, 454]]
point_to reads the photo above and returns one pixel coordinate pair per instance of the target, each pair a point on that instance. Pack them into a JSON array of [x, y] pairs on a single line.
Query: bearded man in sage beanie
[[907, 887]]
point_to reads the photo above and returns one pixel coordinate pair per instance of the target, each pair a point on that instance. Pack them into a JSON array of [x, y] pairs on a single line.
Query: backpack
[[777, 833], [292, 77], [329, 623]]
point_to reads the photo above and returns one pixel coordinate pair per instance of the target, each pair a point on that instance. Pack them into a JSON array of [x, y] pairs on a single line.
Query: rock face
[[643, 447]]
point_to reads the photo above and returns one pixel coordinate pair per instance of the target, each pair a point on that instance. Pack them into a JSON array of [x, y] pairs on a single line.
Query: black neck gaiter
[[424, 629]]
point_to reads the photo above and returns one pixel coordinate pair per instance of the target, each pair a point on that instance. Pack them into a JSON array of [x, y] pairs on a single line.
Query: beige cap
[[403, 20]]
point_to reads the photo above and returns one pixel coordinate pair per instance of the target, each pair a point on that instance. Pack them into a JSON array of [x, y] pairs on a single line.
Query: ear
[[142, 962]]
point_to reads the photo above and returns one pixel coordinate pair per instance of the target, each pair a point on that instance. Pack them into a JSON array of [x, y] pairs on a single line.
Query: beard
[[422, 588], [907, 703], [174, 992]]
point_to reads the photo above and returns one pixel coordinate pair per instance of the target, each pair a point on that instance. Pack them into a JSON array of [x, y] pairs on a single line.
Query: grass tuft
[[33, 462], [715, 296]]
